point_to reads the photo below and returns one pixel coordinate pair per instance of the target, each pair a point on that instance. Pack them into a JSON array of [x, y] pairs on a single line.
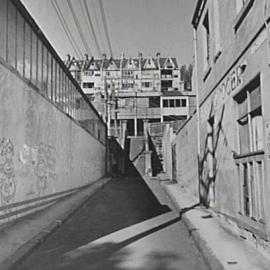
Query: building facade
[[131, 91], [232, 81]]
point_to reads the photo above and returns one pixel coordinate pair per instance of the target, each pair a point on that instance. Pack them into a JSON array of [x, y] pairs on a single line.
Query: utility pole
[[109, 112], [115, 112], [136, 105], [106, 107]]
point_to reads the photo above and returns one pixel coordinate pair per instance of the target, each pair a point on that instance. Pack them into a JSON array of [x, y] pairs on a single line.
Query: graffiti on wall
[[45, 168], [7, 172]]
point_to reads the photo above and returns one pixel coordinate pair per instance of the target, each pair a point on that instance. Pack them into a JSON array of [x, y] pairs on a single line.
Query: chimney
[[158, 58], [122, 56], [140, 55], [68, 57], [86, 57], [104, 56]]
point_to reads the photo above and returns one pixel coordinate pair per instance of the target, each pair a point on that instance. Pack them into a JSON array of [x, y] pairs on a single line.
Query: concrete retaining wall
[[44, 154]]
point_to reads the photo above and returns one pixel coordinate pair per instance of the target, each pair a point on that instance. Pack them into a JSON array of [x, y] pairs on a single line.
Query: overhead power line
[[105, 25], [82, 37], [98, 24], [66, 28], [92, 27]]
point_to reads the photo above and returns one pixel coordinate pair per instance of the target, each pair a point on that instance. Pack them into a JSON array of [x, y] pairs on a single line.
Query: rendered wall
[[186, 157], [180, 156], [44, 154], [244, 55]]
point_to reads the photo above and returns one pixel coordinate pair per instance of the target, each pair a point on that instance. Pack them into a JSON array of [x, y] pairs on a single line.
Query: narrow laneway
[[123, 226]]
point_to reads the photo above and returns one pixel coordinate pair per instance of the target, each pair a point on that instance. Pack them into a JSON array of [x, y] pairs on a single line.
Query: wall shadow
[[155, 160], [206, 179], [124, 201]]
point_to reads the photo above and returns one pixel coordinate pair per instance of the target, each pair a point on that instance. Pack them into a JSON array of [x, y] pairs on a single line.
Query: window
[[165, 103], [88, 85], [53, 80], [97, 74], [166, 73], [27, 52], [11, 49], [154, 102], [250, 162], [171, 103], [34, 59], [40, 65], [206, 42], [240, 4], [127, 85], [49, 91], [146, 84], [183, 103], [242, 9], [177, 103], [20, 43], [250, 118], [45, 71], [217, 30], [128, 73], [3, 29], [166, 84], [88, 73]]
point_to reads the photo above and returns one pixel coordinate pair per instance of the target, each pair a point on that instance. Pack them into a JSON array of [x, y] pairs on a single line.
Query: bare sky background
[[146, 26]]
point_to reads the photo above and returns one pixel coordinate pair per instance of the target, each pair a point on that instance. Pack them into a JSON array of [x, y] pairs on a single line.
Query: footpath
[[220, 247], [18, 239]]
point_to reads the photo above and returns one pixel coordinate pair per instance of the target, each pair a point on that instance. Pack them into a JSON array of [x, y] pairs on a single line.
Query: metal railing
[[26, 52]]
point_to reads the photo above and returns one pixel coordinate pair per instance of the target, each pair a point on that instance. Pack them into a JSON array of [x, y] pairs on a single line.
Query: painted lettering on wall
[[231, 83], [7, 172]]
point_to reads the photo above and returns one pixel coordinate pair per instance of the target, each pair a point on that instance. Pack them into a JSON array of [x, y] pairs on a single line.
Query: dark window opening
[[206, 41], [154, 102], [171, 101], [165, 103], [88, 85]]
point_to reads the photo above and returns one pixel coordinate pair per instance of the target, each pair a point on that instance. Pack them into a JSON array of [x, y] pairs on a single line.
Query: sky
[[146, 26]]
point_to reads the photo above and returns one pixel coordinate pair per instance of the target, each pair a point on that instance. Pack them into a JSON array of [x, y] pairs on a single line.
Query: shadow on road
[[121, 203], [112, 255]]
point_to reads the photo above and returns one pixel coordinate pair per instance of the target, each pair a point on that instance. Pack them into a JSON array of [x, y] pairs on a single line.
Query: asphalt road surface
[[121, 227]]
